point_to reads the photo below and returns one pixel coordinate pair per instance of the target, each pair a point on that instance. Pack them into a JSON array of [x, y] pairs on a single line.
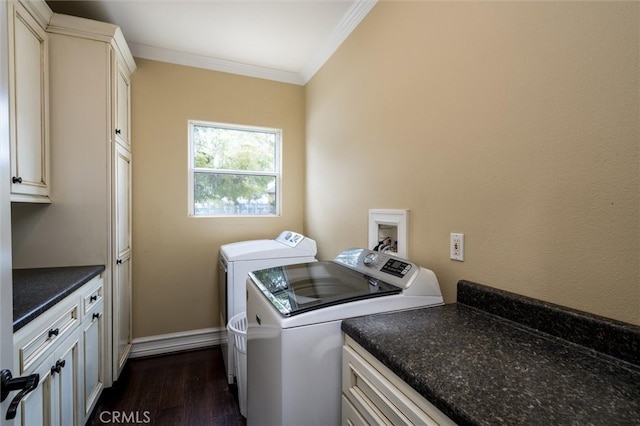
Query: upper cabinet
[[29, 102]]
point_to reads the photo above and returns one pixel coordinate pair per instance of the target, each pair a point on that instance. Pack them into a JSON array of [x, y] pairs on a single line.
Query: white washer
[[294, 340], [236, 260]]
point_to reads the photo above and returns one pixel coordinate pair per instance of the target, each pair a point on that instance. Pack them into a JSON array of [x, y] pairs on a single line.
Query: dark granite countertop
[[480, 368], [36, 290]]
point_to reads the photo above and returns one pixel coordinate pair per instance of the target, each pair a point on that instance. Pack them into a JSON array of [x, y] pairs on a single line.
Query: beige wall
[[175, 257], [516, 124]]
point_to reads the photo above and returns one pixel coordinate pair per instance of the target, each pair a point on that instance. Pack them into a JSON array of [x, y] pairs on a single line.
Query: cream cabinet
[[89, 221], [122, 239], [29, 102], [65, 371], [35, 408], [91, 66], [92, 346], [122, 274], [54, 401], [122, 104], [122, 314], [63, 346], [373, 395]]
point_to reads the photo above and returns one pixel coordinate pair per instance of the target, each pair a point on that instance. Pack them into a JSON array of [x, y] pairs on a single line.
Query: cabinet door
[[36, 407], [122, 105], [29, 126], [122, 202], [122, 269], [56, 399], [66, 375], [93, 327], [122, 314]]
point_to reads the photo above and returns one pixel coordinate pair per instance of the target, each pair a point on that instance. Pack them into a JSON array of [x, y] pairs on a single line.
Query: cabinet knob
[[118, 131], [119, 262], [96, 315], [59, 366], [54, 332], [16, 179], [93, 298]]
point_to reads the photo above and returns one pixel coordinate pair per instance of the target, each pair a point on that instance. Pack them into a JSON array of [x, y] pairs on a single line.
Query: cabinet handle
[[119, 262], [95, 316], [16, 179], [93, 298], [59, 366], [54, 332], [118, 131], [10, 384]]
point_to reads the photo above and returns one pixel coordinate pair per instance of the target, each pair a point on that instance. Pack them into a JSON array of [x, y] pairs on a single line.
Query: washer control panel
[[382, 266], [396, 267]]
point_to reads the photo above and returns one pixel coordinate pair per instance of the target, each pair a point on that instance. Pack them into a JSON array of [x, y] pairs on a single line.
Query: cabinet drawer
[[46, 336], [350, 415], [92, 298], [370, 392], [380, 396]]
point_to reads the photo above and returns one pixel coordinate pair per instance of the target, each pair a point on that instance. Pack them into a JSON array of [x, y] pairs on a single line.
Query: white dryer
[[294, 339], [236, 260]]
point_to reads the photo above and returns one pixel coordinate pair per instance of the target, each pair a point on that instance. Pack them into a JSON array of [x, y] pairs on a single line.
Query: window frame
[[192, 170]]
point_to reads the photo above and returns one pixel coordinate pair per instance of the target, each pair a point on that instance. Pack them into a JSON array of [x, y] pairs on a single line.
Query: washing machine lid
[[287, 244], [295, 289]]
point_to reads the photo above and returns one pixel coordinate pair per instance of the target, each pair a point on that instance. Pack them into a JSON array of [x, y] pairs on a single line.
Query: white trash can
[[238, 328]]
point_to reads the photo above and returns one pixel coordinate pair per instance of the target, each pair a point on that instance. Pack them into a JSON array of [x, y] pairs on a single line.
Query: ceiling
[[282, 40]]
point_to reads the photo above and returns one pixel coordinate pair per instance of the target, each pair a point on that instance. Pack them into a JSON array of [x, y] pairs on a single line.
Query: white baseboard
[[177, 342]]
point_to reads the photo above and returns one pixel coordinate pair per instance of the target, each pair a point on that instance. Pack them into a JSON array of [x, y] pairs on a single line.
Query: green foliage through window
[[234, 170]]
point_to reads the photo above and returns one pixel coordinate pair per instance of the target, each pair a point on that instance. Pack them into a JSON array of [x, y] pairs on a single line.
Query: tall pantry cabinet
[[90, 66]]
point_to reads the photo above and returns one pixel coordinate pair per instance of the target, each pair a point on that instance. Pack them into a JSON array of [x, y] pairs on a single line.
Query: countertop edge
[[35, 290]]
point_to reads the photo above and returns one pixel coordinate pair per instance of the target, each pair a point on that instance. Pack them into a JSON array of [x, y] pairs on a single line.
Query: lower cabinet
[[53, 401], [122, 313], [63, 346], [373, 395], [65, 371], [93, 348]]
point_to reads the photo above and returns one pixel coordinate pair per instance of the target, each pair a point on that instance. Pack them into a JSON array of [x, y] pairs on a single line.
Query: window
[[233, 170]]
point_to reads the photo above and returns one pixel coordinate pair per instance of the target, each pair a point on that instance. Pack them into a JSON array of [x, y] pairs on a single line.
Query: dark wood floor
[[187, 388]]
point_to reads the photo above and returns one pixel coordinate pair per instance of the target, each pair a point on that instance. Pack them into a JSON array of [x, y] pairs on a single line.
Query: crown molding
[[205, 62], [38, 9], [349, 22]]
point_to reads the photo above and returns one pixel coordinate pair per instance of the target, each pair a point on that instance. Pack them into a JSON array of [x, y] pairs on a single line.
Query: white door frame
[[6, 287]]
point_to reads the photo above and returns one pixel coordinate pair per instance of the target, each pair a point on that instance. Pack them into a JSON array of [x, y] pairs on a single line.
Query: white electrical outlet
[[456, 246]]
